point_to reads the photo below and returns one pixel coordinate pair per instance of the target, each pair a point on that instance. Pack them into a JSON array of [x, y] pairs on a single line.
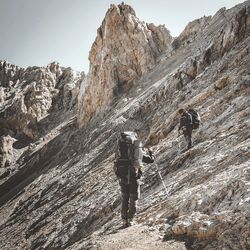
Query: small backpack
[[129, 156], [196, 120]]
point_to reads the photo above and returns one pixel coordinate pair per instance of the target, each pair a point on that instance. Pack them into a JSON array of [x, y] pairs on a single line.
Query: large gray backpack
[[129, 154], [196, 120]]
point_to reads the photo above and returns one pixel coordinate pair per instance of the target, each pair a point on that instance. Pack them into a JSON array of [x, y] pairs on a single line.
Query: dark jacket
[[185, 120]]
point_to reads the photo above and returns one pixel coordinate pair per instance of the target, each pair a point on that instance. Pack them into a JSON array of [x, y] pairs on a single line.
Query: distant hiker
[[186, 126], [189, 121], [127, 167]]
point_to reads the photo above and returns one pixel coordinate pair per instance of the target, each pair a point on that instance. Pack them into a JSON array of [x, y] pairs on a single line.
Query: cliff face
[[28, 99], [27, 95], [125, 49], [61, 192]]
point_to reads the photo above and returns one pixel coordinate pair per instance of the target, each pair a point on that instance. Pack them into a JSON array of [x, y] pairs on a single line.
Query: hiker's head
[[181, 111], [123, 135], [128, 133]]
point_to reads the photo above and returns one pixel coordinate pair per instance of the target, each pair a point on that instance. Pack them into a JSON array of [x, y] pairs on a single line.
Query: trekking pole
[[139, 188], [179, 145], [163, 183], [139, 191]]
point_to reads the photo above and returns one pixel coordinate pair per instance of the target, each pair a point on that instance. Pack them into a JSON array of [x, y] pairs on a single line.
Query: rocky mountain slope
[[58, 190]]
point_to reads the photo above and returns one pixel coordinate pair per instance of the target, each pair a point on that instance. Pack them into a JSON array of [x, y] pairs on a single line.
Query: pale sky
[[37, 32]]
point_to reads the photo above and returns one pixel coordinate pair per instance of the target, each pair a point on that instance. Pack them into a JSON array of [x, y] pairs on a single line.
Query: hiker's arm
[[148, 158], [181, 124], [179, 129]]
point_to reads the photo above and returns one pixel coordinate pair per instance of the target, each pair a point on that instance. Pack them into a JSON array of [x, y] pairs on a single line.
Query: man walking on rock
[[186, 126], [128, 170]]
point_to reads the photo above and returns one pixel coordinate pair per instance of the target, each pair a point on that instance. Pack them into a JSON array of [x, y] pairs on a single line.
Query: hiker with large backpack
[[186, 126], [128, 169], [189, 121]]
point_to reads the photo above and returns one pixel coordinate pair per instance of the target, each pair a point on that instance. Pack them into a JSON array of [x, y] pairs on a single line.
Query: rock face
[[6, 150], [28, 95], [61, 192], [125, 49], [191, 31], [28, 99]]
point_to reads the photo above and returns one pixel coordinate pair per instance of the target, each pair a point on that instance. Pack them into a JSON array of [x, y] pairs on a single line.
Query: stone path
[[137, 237]]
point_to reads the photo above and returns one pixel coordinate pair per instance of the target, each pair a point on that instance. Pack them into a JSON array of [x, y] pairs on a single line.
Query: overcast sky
[[37, 32]]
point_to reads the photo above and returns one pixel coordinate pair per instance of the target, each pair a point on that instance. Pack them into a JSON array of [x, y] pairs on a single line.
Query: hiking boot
[[125, 223], [129, 222]]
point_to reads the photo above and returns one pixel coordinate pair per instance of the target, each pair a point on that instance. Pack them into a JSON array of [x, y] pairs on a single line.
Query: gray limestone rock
[[28, 95]]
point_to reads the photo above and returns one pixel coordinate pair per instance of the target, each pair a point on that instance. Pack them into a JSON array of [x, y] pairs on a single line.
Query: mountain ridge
[[61, 192]]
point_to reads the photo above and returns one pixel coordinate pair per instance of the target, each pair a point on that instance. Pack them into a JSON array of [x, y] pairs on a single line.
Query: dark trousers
[[187, 132], [129, 198]]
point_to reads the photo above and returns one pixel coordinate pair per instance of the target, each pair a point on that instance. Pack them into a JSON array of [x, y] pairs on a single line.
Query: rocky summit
[[59, 130], [124, 50]]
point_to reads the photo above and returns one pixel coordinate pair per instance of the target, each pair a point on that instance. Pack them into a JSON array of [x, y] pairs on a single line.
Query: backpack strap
[[189, 119]]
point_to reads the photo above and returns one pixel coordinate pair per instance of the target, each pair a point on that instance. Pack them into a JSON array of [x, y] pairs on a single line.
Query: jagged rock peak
[[27, 95], [123, 8], [125, 48], [9, 73]]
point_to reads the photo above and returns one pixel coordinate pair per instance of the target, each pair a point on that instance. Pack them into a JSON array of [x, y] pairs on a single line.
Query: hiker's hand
[[150, 152], [138, 173]]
